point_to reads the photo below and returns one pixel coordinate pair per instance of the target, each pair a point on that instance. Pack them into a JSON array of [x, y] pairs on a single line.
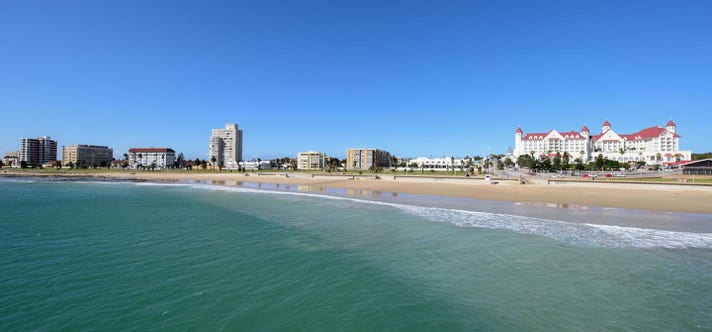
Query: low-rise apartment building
[[364, 159], [161, 158], [311, 160], [83, 155]]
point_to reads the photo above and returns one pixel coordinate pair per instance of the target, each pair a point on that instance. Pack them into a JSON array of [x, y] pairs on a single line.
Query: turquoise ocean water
[[122, 256]]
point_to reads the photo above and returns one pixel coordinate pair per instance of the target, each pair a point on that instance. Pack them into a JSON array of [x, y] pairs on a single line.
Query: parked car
[[585, 175], [609, 175]]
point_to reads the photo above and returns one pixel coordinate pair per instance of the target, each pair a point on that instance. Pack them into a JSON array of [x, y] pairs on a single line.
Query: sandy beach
[[689, 199]]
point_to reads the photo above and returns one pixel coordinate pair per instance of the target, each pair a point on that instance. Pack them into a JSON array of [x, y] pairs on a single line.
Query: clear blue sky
[[416, 78]]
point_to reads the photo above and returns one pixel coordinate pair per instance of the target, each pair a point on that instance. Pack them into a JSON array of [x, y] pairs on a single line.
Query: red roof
[[646, 133], [519, 130], [670, 124], [650, 133], [597, 137], [668, 155], [567, 135], [149, 150], [585, 129], [535, 135], [606, 124], [681, 162], [572, 135]]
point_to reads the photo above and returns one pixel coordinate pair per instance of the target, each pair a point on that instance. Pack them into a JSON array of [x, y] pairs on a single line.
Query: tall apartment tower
[[226, 147], [37, 151]]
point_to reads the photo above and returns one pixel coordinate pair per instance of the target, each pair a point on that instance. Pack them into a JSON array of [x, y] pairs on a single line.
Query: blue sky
[[416, 78]]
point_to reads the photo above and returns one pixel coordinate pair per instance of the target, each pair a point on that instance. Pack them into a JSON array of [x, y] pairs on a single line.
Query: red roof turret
[[519, 130], [585, 129], [670, 124], [606, 124]]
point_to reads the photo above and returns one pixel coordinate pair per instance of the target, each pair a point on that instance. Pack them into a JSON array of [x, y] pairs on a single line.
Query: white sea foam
[[568, 232], [14, 180]]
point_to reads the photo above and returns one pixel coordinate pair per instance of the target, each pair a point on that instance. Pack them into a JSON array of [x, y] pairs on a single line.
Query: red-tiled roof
[[585, 129], [572, 135], [149, 150], [519, 130], [606, 124], [670, 123], [651, 132], [567, 135], [646, 133], [535, 135]]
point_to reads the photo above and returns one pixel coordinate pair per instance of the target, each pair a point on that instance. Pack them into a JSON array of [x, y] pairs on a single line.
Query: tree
[[23, 164], [523, 160], [126, 156], [452, 164], [508, 162], [180, 161], [557, 161], [212, 161], [600, 161], [70, 165], [579, 164], [565, 162], [1, 164]]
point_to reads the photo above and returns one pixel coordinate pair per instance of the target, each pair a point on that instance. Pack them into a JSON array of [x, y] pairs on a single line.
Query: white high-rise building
[[226, 147]]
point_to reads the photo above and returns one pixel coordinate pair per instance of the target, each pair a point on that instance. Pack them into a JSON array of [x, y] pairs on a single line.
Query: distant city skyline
[[420, 78]]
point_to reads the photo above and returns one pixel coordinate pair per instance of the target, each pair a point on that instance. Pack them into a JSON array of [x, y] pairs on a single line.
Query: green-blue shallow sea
[[122, 256]]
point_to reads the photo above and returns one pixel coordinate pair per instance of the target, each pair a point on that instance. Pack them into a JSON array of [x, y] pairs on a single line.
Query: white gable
[[610, 135], [554, 134]]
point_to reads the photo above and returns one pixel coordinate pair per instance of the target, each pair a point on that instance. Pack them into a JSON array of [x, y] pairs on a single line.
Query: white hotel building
[[654, 145]]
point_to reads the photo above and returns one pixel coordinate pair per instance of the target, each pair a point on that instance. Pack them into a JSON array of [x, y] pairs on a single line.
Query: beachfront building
[[87, 155], [654, 145], [38, 151], [158, 158], [311, 160], [364, 159], [11, 159], [255, 165], [226, 147], [576, 144], [439, 164], [698, 167]]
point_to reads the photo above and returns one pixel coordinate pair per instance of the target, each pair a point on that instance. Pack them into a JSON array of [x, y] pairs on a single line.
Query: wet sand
[[686, 199]]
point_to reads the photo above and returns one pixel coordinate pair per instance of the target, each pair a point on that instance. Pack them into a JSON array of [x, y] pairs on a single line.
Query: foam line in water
[[568, 232]]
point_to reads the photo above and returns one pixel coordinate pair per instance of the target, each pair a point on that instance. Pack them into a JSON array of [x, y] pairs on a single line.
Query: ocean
[[87, 256]]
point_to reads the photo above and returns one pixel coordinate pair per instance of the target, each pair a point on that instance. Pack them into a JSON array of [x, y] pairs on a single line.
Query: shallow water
[[98, 256]]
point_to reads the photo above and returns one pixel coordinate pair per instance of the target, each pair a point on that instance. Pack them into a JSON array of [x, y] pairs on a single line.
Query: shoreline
[[685, 199]]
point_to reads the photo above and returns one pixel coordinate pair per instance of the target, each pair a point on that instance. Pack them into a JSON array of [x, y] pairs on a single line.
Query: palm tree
[[452, 163]]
